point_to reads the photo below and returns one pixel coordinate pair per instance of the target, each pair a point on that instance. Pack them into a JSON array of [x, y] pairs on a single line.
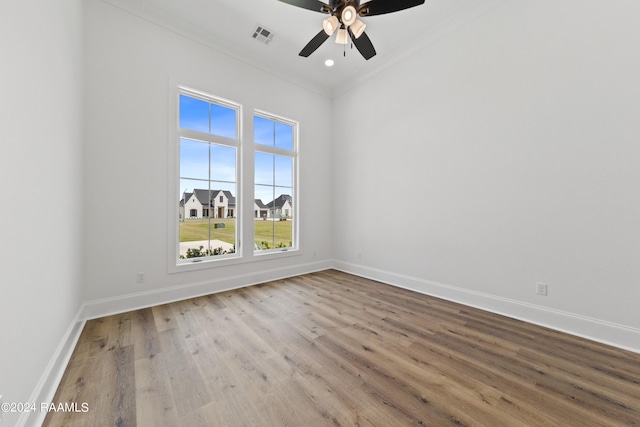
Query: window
[[275, 162], [213, 188], [209, 142]]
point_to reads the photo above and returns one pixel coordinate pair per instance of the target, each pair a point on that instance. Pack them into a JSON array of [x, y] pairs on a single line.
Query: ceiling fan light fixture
[[330, 24], [341, 37], [349, 15], [357, 28], [347, 27]]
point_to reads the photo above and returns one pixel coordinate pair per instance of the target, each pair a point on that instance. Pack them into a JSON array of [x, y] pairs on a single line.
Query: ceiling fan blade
[[364, 45], [315, 5], [315, 43], [380, 7]]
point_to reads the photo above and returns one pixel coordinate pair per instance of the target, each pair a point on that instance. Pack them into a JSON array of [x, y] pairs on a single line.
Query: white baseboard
[[121, 304], [613, 334], [48, 385]]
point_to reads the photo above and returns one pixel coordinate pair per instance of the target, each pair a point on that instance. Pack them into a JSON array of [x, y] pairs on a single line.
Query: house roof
[[260, 204], [186, 196], [280, 201], [228, 195], [204, 196]]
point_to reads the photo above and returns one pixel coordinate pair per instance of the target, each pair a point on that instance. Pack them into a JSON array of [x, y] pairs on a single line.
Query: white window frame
[[244, 184], [175, 263], [293, 154]]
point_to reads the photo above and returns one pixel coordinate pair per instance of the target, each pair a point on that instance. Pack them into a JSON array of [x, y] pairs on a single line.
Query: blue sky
[[274, 134], [194, 115]]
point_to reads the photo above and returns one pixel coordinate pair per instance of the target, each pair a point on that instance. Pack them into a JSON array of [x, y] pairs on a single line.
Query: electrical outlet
[[541, 289], [140, 277]]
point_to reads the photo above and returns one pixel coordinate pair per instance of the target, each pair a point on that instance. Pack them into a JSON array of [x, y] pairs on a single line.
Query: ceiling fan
[[344, 19]]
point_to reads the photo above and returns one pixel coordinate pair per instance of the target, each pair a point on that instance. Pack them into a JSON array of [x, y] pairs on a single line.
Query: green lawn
[[197, 229]]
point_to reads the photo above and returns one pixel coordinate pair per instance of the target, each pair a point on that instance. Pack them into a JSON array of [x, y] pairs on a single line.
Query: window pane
[[194, 114], [274, 182], [283, 171], [188, 185], [194, 219], [190, 204], [222, 230], [263, 131], [272, 133], [284, 226], [264, 231], [264, 168], [208, 221], [223, 121], [203, 116], [273, 227], [194, 159], [264, 193], [223, 163], [284, 136]]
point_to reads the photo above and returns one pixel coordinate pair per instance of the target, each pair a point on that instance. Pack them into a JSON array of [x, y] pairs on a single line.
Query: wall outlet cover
[[541, 288]]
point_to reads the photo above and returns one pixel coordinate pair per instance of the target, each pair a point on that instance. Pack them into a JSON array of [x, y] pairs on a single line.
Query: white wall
[[507, 154], [132, 67], [40, 172]]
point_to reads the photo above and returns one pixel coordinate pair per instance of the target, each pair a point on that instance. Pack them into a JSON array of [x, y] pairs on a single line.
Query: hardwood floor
[[331, 349]]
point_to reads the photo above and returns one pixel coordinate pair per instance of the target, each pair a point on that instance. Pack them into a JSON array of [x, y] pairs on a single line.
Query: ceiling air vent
[[262, 34]]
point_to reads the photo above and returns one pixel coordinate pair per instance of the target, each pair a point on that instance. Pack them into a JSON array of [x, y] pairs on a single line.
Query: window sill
[[232, 260]]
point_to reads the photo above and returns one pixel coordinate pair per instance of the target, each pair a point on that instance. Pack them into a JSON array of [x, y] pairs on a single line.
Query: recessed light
[[329, 62]]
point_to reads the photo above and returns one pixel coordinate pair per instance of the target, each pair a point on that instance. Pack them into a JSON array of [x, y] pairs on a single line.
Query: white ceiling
[[227, 25]]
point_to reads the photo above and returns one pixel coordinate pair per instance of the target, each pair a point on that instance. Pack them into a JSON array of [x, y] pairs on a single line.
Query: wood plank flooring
[[331, 349]]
